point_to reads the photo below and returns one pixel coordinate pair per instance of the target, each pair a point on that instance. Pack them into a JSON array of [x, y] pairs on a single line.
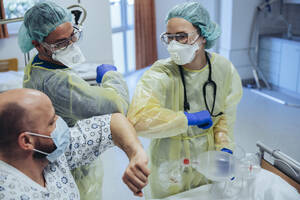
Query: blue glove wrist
[[226, 150], [102, 69], [201, 119], [189, 118]]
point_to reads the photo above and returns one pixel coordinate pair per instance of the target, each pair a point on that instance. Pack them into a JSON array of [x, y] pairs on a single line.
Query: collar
[[47, 64]]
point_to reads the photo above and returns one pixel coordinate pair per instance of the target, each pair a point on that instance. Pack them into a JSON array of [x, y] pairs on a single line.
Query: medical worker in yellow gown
[[186, 103], [48, 28]]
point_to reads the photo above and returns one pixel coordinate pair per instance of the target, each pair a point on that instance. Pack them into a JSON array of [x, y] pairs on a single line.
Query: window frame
[[13, 28], [123, 29]]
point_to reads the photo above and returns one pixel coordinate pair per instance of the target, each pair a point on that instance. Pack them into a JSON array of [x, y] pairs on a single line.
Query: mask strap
[[41, 152], [39, 135], [47, 50]]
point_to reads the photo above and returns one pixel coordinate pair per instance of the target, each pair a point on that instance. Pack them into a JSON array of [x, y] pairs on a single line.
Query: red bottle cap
[[186, 161]]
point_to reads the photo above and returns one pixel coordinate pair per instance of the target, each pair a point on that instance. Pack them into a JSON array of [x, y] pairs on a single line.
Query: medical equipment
[[283, 165], [230, 173], [217, 166], [210, 83], [183, 38], [182, 54], [61, 45], [77, 13]]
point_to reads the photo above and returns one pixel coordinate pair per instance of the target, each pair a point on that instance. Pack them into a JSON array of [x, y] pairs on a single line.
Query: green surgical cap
[[39, 21], [194, 13]]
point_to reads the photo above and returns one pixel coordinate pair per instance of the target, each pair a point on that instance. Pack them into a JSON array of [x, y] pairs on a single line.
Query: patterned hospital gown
[[89, 138]]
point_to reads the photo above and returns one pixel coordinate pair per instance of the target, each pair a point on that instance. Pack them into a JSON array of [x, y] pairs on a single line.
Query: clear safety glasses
[[183, 38], [61, 45]]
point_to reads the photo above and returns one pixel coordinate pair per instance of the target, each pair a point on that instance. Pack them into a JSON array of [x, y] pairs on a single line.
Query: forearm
[[114, 80], [87, 101], [223, 134], [124, 135], [157, 122], [223, 131]]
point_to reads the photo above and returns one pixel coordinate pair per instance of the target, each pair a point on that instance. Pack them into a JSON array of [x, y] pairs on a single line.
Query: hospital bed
[[283, 165], [10, 77]]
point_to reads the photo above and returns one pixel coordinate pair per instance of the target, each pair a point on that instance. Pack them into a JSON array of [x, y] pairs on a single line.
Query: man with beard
[[38, 149]]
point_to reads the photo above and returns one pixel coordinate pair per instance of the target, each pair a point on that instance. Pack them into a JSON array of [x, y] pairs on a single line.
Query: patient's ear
[[25, 141]]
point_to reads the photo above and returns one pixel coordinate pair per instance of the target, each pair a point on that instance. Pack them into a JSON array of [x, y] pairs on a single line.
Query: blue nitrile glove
[[201, 119], [228, 151], [102, 69]]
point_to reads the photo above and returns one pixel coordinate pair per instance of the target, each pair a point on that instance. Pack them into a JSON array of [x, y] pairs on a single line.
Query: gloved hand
[[227, 150], [102, 69], [201, 119]]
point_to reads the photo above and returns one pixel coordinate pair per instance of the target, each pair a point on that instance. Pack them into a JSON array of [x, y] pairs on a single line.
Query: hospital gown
[[89, 138]]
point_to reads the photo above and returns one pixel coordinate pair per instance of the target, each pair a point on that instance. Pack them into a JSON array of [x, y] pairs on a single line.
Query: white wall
[[9, 49], [162, 8], [237, 18], [293, 17], [96, 43]]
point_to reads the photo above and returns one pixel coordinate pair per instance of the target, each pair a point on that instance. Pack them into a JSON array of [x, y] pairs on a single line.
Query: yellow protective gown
[[74, 99], [156, 112]]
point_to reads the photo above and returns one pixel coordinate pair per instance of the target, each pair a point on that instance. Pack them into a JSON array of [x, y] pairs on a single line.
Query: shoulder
[[11, 186], [222, 65], [221, 60], [162, 69], [160, 75]]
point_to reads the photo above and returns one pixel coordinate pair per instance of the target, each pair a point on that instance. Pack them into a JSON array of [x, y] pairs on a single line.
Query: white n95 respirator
[[182, 54], [70, 56]]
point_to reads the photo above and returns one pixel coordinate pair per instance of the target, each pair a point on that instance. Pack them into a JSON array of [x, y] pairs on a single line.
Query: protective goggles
[[183, 38], [61, 45]]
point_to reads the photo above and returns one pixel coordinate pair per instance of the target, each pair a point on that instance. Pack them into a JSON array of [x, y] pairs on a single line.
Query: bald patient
[[38, 150]]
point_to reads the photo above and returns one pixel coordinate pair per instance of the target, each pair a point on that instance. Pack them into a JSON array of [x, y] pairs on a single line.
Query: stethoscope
[[209, 82]]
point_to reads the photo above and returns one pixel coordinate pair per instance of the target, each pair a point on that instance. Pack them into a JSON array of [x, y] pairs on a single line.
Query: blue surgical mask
[[60, 137]]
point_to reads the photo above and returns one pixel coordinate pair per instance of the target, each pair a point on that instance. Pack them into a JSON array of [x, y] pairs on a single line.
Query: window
[[14, 9], [122, 23]]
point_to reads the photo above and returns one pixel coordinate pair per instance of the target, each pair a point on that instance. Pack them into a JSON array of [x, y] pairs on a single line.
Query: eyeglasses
[[61, 45], [183, 38]]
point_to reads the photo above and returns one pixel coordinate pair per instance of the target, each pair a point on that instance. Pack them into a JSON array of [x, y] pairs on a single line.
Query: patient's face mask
[[182, 54], [70, 56], [60, 137]]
